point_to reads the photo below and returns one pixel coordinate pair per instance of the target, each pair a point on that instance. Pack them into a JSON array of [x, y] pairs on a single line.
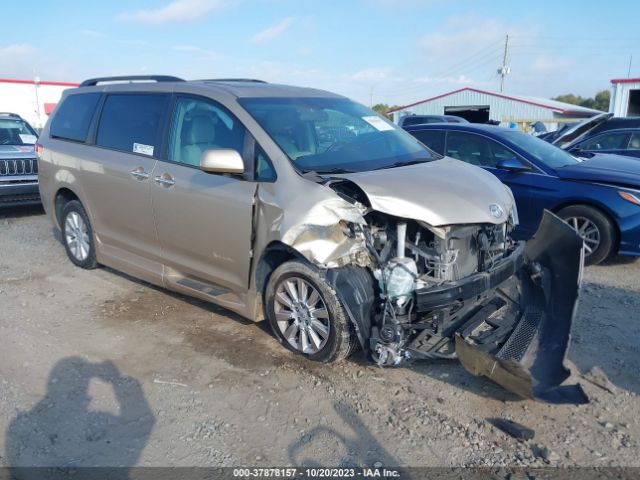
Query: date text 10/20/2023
[[289, 472]]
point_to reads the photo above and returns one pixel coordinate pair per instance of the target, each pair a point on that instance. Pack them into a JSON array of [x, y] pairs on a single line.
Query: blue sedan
[[623, 141], [599, 197]]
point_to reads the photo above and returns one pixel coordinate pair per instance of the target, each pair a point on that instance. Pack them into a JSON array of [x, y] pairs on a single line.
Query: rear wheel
[[77, 235], [595, 228], [306, 315]]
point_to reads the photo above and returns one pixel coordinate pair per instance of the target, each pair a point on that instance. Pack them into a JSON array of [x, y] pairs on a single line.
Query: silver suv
[[313, 211], [18, 165]]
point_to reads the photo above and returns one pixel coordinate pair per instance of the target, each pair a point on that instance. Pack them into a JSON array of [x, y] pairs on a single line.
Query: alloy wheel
[[77, 236], [588, 231], [301, 315]]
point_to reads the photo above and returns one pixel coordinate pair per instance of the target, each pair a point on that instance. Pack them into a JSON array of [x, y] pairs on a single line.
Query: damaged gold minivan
[[313, 211]]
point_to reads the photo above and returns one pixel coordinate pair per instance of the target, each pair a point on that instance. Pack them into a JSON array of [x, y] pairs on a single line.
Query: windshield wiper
[[404, 164]]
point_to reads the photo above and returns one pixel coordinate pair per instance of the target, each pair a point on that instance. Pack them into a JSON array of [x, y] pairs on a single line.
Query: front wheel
[[306, 315], [595, 228]]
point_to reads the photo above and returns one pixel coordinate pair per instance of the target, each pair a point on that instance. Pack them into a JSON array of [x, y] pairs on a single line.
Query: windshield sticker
[[143, 149], [27, 138], [377, 123]]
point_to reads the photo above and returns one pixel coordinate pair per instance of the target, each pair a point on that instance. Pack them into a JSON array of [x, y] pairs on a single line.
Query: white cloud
[[463, 34], [369, 75], [16, 51], [176, 11], [25, 61], [273, 31]]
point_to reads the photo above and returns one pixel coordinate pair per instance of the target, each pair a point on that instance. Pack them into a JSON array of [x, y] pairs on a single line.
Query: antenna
[[504, 70]]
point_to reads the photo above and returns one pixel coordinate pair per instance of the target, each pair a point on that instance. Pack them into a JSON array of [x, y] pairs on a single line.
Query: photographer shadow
[[61, 432], [321, 445]]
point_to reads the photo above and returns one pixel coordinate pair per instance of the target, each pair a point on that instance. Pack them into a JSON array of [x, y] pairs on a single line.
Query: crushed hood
[[612, 169], [442, 192]]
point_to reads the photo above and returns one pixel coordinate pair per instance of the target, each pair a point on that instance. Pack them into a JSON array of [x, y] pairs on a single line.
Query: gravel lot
[[101, 369]]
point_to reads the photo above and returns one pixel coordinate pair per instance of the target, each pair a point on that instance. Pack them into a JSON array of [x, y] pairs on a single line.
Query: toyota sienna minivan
[[310, 210]]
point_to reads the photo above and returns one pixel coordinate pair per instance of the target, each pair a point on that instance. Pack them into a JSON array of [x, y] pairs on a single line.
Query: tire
[[76, 226], [606, 234], [340, 340]]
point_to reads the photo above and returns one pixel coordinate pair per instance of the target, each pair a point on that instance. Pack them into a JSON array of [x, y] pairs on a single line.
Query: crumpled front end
[[504, 309], [414, 290]]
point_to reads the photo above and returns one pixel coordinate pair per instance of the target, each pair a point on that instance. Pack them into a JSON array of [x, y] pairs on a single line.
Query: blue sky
[[391, 51]]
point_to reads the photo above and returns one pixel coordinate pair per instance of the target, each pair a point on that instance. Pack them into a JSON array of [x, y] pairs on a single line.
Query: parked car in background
[[425, 119], [599, 197], [311, 210], [599, 134], [623, 141], [614, 123], [18, 165]]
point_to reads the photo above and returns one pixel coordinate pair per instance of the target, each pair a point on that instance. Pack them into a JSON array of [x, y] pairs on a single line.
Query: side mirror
[[512, 165], [222, 160]]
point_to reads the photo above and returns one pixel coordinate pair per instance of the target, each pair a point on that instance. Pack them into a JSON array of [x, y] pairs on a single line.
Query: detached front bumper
[[522, 343]]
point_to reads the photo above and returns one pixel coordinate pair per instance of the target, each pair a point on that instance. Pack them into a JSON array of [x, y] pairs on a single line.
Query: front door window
[[200, 125]]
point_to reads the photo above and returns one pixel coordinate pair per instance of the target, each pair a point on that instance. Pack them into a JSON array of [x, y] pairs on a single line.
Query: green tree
[[599, 102], [569, 98], [383, 109], [602, 100]]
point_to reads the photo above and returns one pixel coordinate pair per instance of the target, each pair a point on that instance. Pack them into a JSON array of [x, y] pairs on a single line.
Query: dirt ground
[[101, 369]]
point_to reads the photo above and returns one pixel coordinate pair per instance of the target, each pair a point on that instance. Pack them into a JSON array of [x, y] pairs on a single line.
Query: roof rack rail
[[250, 80], [11, 114], [130, 78]]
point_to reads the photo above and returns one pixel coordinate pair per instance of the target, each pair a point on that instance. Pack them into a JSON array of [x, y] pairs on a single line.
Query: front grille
[[19, 166]]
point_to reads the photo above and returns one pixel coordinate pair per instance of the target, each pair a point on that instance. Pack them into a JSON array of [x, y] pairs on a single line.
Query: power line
[[469, 64]]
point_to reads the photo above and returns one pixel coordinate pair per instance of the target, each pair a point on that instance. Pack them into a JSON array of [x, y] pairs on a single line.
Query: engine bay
[[407, 257]]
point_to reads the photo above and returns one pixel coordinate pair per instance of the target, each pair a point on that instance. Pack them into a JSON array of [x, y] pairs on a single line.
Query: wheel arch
[[354, 286], [275, 254], [63, 196]]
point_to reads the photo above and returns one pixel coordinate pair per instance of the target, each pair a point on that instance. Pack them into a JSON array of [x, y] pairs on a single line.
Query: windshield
[[544, 152], [16, 132], [334, 135]]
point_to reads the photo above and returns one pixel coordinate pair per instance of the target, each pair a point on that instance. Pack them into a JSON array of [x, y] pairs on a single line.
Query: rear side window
[[606, 141], [434, 139], [414, 120], [73, 118], [132, 122]]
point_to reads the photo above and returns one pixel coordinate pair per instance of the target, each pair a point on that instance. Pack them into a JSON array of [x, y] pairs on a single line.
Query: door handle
[[165, 180], [139, 173]]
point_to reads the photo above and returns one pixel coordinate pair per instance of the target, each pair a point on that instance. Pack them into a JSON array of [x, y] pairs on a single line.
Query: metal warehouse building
[[33, 100], [625, 97], [480, 106]]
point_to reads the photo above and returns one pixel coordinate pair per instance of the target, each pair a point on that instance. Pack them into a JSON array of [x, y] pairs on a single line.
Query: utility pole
[[36, 86], [630, 62], [371, 96], [504, 70]]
